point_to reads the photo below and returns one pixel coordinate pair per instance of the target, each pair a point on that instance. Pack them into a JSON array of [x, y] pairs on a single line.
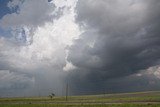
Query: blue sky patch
[[3, 8]]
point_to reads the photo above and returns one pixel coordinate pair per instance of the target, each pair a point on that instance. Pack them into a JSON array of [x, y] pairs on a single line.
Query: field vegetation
[[138, 99]]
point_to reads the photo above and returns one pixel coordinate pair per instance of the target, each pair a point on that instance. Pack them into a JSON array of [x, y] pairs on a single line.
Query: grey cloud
[[136, 82], [12, 82], [124, 39], [29, 13]]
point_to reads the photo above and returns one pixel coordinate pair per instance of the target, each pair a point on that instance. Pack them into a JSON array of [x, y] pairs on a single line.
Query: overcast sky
[[95, 46]]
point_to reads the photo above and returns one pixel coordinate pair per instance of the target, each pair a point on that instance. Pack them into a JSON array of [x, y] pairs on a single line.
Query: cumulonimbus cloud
[[121, 38], [101, 43]]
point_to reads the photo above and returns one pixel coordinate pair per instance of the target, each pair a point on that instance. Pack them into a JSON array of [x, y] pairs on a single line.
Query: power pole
[[104, 92], [67, 92]]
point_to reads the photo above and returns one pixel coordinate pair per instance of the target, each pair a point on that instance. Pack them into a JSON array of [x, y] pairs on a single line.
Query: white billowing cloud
[[69, 66], [49, 42], [70, 4], [47, 45], [155, 71], [39, 40]]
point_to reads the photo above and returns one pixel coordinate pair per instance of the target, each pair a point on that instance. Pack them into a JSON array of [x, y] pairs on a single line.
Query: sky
[[94, 46]]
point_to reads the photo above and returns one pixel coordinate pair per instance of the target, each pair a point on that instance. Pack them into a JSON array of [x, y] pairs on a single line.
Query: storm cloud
[[95, 46], [121, 38]]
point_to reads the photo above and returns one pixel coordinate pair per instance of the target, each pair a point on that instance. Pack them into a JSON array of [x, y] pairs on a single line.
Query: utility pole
[[104, 92], [67, 92]]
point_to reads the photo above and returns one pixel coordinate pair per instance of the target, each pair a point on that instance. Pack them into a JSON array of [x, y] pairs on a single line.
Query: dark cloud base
[[132, 83]]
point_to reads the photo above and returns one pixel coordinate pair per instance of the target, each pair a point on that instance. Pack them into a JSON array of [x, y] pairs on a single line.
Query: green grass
[[138, 99], [80, 105]]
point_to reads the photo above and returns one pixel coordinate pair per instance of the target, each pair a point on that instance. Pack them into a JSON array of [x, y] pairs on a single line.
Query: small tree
[[51, 95]]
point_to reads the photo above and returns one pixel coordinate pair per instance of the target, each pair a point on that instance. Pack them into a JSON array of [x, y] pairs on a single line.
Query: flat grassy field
[[138, 99]]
